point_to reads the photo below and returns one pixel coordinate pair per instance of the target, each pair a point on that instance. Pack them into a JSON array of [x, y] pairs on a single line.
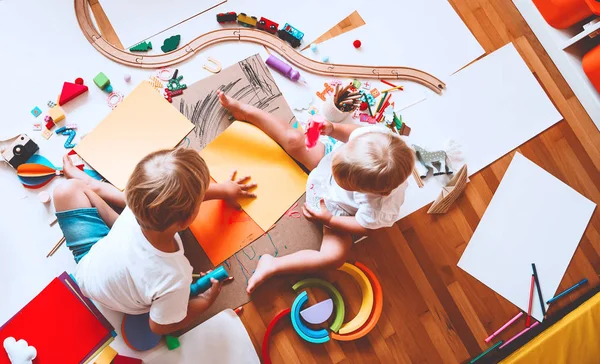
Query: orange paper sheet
[[222, 230], [143, 123], [246, 148]]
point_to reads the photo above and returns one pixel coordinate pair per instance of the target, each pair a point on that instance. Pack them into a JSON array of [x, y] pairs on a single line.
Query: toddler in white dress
[[356, 185]]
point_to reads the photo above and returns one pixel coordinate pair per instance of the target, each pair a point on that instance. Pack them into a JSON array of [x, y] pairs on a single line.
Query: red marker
[[528, 322]]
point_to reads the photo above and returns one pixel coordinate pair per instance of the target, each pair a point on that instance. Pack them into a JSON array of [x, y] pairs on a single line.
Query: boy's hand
[[323, 216], [235, 189], [326, 128], [212, 293]]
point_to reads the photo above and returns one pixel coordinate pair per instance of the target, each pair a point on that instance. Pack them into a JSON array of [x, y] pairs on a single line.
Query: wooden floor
[[433, 311]]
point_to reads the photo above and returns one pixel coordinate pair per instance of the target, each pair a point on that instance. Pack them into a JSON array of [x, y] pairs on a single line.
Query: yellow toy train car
[[246, 21]]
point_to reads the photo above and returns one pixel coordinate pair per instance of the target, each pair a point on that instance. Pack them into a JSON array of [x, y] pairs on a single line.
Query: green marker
[[486, 352]]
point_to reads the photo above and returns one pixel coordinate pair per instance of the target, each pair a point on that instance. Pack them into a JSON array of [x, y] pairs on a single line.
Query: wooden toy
[[175, 84], [323, 94], [450, 192], [367, 302], [246, 21], [46, 133], [375, 314], [267, 25], [106, 356], [170, 44], [216, 69], [142, 47], [318, 313], [101, 81], [291, 35], [57, 114], [334, 294], [95, 38], [265, 343], [71, 135], [71, 91], [49, 122], [357, 43], [36, 111], [37, 126], [437, 162], [229, 17], [312, 336], [51, 103]]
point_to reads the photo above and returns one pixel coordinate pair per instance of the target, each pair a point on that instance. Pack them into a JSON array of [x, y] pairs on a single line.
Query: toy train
[[288, 33]]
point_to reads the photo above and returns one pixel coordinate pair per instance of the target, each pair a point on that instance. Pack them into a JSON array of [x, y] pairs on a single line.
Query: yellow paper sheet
[[143, 123], [246, 148]]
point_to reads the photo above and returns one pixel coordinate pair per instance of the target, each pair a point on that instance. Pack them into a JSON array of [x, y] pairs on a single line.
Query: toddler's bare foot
[[70, 171], [264, 270], [238, 110]]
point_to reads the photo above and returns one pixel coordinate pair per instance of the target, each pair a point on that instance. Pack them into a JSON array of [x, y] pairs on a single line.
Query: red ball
[[363, 106], [356, 43], [79, 81]]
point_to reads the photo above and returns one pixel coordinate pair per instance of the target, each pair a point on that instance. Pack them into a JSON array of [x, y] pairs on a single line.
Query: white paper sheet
[[532, 218], [136, 20], [492, 107], [427, 35], [222, 339]]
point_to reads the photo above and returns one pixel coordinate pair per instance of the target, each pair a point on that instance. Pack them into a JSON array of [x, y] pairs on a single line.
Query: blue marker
[[568, 290], [203, 283]]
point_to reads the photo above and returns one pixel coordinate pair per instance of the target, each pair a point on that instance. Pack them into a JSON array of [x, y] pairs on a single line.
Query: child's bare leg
[[106, 191], [333, 253], [75, 194], [292, 140]]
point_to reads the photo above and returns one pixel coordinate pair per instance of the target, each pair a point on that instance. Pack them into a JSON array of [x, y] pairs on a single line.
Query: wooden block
[[120, 359], [47, 134], [56, 113], [101, 80]]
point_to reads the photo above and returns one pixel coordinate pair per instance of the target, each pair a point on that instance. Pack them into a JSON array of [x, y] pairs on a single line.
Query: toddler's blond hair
[[166, 187], [373, 162]]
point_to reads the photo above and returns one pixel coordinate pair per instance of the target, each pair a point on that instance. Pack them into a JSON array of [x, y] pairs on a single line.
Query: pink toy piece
[[365, 118], [313, 131], [319, 313]]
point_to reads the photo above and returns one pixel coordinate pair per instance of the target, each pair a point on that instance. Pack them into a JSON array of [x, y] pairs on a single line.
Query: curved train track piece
[[82, 12]]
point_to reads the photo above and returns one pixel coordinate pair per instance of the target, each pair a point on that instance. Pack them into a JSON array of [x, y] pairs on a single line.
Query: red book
[[59, 325]]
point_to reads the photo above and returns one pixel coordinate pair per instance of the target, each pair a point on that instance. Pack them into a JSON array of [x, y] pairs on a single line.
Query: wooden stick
[[417, 178], [58, 245], [394, 88]]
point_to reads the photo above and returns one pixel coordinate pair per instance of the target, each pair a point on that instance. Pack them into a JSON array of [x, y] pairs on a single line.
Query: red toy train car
[[229, 17], [267, 25]]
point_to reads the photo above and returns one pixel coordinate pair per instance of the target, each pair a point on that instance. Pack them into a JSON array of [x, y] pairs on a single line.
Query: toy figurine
[[431, 161]]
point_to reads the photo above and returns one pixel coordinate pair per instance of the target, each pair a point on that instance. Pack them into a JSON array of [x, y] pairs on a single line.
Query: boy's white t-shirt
[[371, 211], [125, 273]]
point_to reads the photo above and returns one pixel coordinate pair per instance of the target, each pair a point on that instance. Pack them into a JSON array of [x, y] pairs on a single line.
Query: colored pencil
[[486, 352], [380, 102], [528, 322], [519, 334], [539, 289], [568, 290], [497, 332], [388, 83], [394, 88], [55, 248]]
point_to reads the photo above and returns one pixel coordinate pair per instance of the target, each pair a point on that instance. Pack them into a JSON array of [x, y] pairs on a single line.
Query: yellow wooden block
[[47, 134], [106, 356], [56, 113]]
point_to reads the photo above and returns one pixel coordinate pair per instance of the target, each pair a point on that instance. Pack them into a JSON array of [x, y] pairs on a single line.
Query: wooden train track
[[295, 58]]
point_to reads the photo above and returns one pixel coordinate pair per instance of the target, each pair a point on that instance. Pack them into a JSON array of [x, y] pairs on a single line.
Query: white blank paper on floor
[[492, 106], [222, 339], [532, 218]]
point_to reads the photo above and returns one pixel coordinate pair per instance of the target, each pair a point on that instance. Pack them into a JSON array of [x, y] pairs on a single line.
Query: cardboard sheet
[[222, 339], [143, 122], [136, 20], [289, 235], [222, 230], [248, 81], [428, 35], [248, 149], [532, 218]]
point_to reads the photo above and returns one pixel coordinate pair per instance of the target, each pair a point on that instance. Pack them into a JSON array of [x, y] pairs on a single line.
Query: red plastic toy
[[313, 131], [357, 43], [71, 91]]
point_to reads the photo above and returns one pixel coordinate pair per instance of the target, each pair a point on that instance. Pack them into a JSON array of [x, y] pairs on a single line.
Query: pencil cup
[[332, 113]]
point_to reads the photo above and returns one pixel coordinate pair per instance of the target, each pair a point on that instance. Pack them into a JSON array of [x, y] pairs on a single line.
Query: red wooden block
[[120, 359], [71, 91]]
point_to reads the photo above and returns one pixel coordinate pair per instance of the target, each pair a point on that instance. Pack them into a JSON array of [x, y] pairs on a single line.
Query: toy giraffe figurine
[[431, 161]]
